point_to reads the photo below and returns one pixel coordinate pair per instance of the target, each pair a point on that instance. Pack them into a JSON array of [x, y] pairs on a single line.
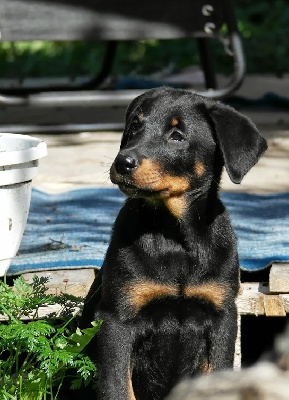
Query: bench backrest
[[111, 19]]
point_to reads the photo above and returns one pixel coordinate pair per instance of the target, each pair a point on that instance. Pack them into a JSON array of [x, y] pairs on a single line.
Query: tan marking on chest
[[142, 293], [212, 292]]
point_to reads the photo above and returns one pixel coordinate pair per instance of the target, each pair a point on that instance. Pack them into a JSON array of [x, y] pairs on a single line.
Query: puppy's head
[[175, 144]]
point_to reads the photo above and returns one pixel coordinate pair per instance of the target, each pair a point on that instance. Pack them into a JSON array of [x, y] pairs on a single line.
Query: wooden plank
[[43, 312], [285, 301], [274, 306], [279, 278], [250, 300], [238, 352], [254, 298], [75, 282]]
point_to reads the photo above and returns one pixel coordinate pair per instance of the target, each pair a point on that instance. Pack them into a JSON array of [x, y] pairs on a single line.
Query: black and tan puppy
[[166, 292]]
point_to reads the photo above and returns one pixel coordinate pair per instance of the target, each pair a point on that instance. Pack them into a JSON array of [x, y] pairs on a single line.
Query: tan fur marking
[[142, 293], [213, 292], [149, 175], [206, 367], [174, 122], [131, 395], [141, 117], [199, 168], [176, 205]]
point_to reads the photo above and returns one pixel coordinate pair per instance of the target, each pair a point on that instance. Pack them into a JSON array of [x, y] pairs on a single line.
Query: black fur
[[167, 289]]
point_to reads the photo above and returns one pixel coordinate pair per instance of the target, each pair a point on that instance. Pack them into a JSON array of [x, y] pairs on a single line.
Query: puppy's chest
[[167, 269], [141, 294], [169, 273], [162, 257]]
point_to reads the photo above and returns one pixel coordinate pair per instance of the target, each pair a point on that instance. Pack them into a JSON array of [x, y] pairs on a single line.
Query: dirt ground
[[83, 159]]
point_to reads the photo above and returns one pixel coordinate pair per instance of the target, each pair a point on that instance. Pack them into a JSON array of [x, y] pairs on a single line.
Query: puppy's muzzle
[[122, 173], [125, 164]]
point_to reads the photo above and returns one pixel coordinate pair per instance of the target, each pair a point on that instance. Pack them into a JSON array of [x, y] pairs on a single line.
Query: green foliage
[[35, 59], [149, 56], [264, 26], [36, 356]]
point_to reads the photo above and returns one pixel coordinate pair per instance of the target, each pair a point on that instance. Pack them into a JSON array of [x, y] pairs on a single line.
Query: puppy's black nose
[[124, 164]]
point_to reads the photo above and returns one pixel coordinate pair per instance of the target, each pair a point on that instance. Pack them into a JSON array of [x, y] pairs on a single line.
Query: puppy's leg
[[222, 341], [113, 353]]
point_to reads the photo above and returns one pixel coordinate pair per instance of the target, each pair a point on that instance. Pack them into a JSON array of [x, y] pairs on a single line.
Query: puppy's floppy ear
[[239, 140]]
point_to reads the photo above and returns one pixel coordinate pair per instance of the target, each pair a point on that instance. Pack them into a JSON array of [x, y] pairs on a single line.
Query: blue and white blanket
[[72, 229]]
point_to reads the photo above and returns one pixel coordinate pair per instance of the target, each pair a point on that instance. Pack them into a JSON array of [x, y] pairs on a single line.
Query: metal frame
[[123, 97]]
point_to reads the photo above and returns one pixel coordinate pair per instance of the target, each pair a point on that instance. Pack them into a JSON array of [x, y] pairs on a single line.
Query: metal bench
[[113, 21]]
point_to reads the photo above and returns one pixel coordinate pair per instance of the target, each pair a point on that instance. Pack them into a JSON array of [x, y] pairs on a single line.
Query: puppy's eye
[[177, 136], [134, 127], [134, 124]]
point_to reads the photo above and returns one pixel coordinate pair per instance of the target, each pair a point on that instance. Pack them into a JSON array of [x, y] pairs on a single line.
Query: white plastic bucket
[[19, 155]]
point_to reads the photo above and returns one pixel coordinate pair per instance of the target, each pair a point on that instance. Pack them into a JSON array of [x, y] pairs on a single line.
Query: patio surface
[[83, 159]]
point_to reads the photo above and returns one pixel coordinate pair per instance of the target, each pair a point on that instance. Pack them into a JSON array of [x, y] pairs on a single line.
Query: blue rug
[[72, 229]]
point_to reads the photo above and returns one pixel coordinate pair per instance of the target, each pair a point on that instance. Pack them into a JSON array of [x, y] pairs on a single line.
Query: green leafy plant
[[36, 355]]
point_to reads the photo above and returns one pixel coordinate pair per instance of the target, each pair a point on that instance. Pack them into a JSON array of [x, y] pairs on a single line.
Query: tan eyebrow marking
[[174, 122]]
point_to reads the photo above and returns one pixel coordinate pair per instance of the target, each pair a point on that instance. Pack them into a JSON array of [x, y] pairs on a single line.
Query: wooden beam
[[255, 298], [274, 306], [250, 300], [71, 281], [279, 278]]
